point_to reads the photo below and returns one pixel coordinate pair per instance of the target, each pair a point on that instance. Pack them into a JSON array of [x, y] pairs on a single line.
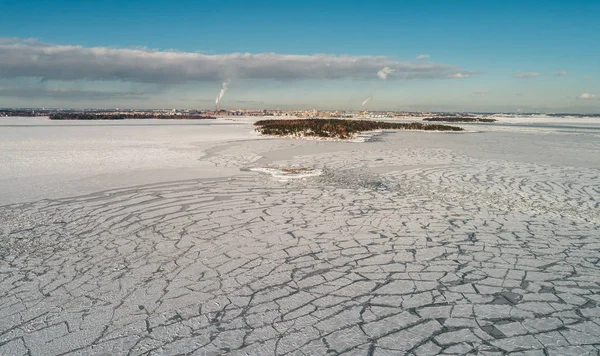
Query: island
[[338, 128]]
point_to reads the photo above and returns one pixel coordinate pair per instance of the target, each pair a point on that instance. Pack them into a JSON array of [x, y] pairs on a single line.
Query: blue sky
[[488, 43]]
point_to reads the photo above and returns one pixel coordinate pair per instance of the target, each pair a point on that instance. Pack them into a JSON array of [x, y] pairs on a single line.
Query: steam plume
[[383, 74], [365, 101], [221, 93]]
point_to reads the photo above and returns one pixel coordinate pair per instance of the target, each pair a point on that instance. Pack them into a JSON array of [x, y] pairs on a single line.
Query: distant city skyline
[[437, 56]]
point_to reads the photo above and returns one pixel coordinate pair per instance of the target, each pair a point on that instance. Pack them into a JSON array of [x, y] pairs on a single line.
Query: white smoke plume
[[222, 92], [365, 101], [383, 73]]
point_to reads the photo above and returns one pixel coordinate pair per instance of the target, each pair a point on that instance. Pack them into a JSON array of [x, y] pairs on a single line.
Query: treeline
[[94, 116], [22, 113], [458, 119], [338, 128]]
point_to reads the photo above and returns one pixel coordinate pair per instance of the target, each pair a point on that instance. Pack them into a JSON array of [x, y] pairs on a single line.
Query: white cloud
[[562, 73], [457, 75], [481, 92], [423, 56], [383, 73], [588, 96], [31, 58], [527, 75]]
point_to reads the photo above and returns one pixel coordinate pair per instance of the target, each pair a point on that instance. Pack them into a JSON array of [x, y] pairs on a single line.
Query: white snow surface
[[40, 158]]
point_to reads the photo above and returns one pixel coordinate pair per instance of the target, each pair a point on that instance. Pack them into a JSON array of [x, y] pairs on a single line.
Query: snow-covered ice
[[289, 173], [166, 238]]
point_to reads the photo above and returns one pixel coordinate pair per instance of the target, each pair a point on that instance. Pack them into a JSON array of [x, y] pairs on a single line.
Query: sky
[[406, 55]]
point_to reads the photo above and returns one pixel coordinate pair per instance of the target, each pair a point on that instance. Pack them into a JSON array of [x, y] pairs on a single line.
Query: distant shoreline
[[459, 119], [89, 117]]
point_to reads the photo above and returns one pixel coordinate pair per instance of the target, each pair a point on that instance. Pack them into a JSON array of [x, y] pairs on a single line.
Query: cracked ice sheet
[[349, 262]]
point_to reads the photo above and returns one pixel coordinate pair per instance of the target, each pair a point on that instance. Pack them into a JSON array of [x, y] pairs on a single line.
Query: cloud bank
[[29, 93], [423, 56], [31, 58], [562, 73]]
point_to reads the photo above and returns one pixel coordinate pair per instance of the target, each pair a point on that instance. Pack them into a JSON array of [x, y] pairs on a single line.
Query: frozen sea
[[189, 237], [40, 158]]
